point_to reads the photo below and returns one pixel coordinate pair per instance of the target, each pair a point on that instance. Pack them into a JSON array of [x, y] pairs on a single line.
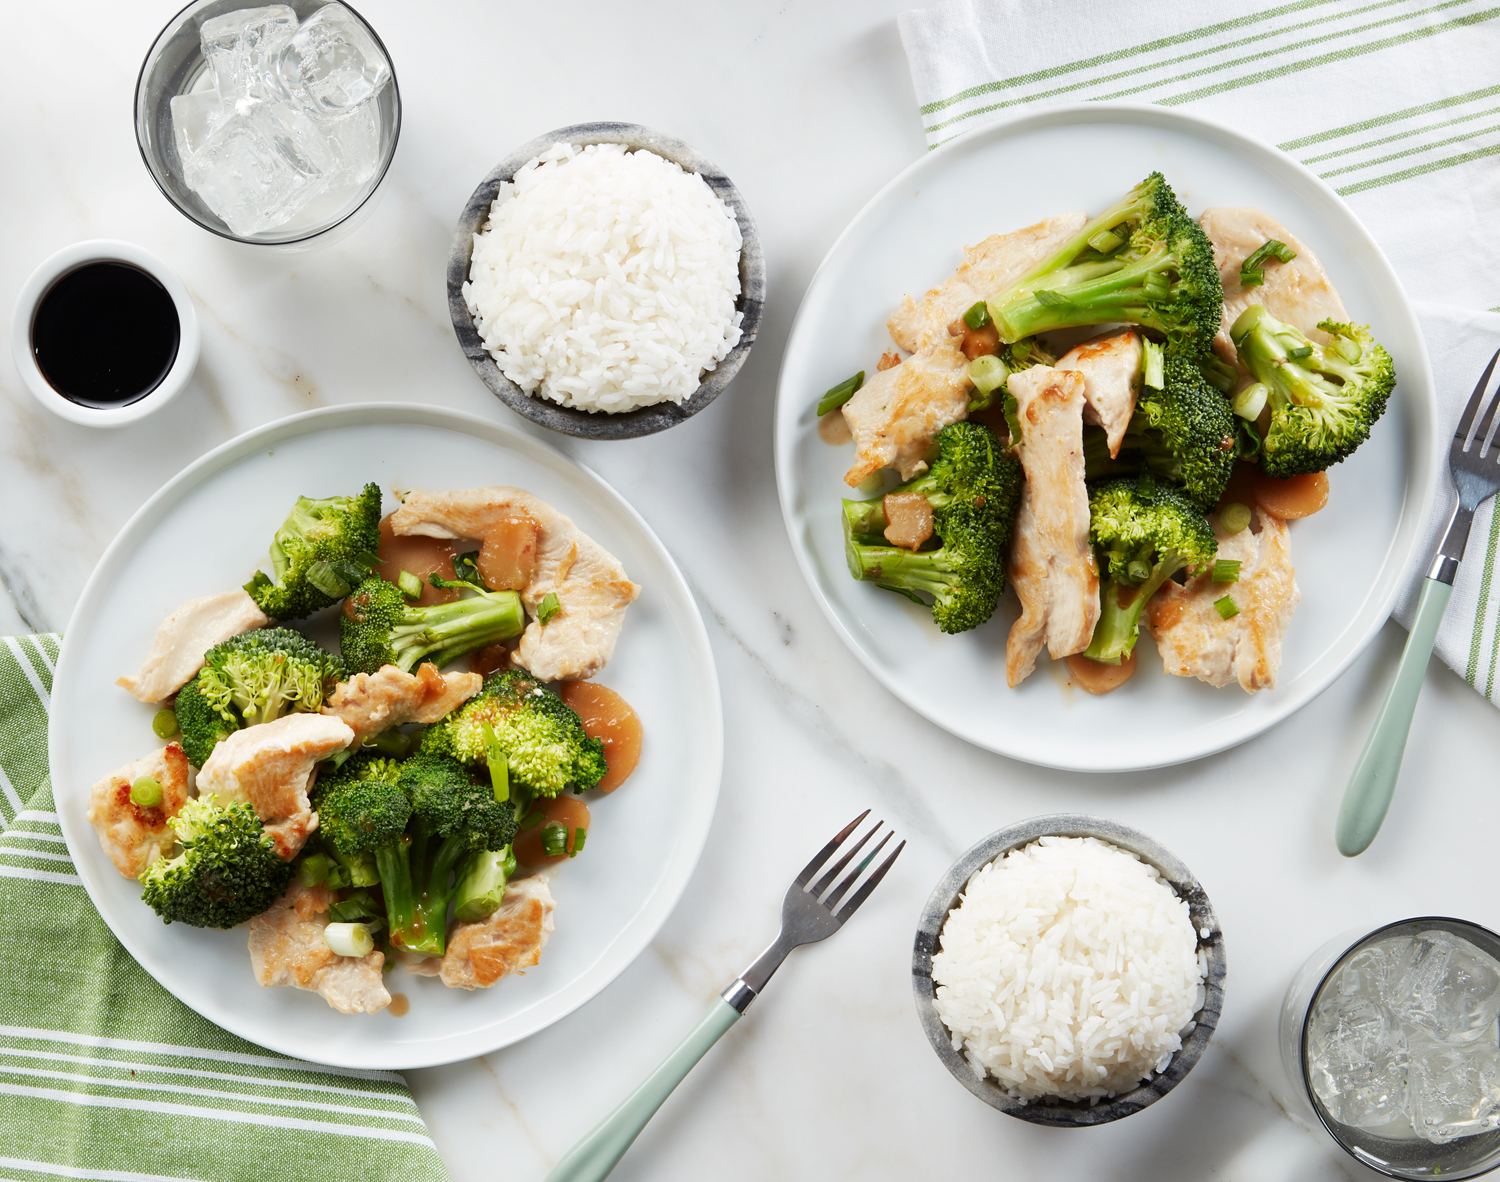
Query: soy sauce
[[105, 335]]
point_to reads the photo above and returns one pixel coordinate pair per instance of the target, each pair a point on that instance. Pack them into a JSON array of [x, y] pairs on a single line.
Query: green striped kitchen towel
[[1394, 103], [105, 1075]]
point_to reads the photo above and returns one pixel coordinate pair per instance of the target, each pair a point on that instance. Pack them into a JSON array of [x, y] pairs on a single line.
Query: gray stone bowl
[[646, 420], [1068, 1113]]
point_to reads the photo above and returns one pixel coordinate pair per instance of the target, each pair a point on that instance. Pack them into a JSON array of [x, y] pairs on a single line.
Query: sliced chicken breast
[[509, 941], [1298, 292], [370, 703], [591, 586], [272, 767], [133, 836], [897, 413], [1111, 369], [995, 263], [1051, 562], [287, 948], [1196, 641], [184, 636]]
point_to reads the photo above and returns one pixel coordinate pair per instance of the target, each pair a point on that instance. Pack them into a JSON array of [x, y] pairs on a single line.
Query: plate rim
[[449, 1048], [1417, 504]]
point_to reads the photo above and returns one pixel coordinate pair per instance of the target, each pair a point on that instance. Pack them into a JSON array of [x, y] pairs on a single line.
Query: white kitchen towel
[[1395, 103]]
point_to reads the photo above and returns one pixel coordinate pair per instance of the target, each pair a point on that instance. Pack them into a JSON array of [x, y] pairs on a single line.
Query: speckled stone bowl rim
[[1061, 1113], [646, 420]]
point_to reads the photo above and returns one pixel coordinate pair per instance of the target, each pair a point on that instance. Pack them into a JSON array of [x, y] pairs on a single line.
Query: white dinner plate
[[1350, 557], [206, 531]]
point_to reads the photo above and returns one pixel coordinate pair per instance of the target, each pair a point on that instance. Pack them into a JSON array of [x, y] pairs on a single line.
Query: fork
[[808, 914], [1474, 463]]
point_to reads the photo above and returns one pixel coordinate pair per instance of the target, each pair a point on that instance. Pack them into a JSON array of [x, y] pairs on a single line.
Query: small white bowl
[[103, 250]]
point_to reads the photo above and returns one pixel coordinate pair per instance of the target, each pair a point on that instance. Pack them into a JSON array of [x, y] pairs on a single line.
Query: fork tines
[[830, 898], [1471, 412]]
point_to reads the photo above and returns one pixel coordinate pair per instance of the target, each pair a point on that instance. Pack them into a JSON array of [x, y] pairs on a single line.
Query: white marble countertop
[[809, 108]]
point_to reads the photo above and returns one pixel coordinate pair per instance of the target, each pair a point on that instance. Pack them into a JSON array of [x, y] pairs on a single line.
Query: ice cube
[[1448, 988], [193, 117], [255, 170], [332, 64], [1454, 1088], [1357, 1059], [1371, 970], [355, 144], [238, 48]]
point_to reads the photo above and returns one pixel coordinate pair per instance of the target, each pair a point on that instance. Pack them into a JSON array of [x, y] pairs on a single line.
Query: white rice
[[606, 279], [1069, 969]]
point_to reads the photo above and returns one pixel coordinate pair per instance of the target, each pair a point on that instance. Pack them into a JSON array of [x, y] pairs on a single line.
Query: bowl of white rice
[[606, 281], [1069, 970]]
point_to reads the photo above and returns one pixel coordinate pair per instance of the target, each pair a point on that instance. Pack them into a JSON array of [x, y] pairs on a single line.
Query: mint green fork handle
[[1368, 795], [597, 1154]]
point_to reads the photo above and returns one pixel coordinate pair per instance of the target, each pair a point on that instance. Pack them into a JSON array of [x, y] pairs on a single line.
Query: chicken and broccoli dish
[[1115, 416], [395, 801]]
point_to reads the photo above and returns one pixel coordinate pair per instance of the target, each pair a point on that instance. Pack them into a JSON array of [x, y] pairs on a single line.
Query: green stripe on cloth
[[103, 1074]]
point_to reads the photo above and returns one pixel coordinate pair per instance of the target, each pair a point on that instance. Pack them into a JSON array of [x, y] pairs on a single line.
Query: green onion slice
[[988, 374], [579, 837], [548, 608], [314, 869], [146, 792], [1226, 570], [349, 939], [1219, 374], [1300, 352], [1139, 570], [494, 755], [1234, 517], [977, 316], [1250, 401], [1253, 270], [1106, 241], [164, 724], [410, 585], [1049, 299], [326, 578], [554, 840], [1227, 608], [1348, 348], [841, 393], [1152, 358]]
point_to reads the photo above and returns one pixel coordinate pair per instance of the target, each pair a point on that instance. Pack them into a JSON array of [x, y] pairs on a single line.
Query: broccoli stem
[[393, 862], [1119, 624], [1111, 291], [443, 632], [429, 930], [482, 887], [900, 570]]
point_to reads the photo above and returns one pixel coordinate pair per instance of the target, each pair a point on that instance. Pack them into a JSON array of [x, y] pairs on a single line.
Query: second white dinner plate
[[1350, 558], [205, 532]]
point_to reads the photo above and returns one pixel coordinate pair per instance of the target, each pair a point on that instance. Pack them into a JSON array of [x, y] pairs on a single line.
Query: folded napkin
[[1392, 102], [103, 1074]]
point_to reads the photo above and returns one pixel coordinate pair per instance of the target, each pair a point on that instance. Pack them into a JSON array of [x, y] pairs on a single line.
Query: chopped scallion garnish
[[554, 840], [1106, 241], [146, 792], [314, 869], [348, 939], [1348, 348], [164, 724], [1253, 270], [988, 374], [841, 393], [1234, 517], [1138, 570], [1300, 352], [494, 755], [1050, 299], [977, 316], [327, 579], [548, 608], [1227, 608], [410, 585], [1151, 364], [1250, 401], [1226, 570], [1219, 374]]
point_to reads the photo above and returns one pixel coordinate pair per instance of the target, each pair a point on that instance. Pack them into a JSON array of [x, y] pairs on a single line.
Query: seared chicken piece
[[897, 413], [272, 766], [591, 586], [1051, 562], [1196, 641], [133, 836], [1298, 292], [287, 948], [369, 703], [184, 636], [1111, 369], [509, 941], [995, 263]]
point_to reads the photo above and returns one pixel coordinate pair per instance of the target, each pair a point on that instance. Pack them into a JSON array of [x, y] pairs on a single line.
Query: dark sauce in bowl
[[105, 335]]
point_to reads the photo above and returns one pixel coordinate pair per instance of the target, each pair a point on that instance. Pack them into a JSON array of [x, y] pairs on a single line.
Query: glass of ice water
[[294, 171], [1383, 1031]]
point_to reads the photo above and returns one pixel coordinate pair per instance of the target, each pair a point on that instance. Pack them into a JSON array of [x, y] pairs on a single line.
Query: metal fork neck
[[749, 984], [1445, 565]]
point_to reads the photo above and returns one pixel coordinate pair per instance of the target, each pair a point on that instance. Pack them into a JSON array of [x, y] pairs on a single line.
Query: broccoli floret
[[1183, 433], [227, 872], [323, 549], [1143, 261], [545, 746], [453, 819], [964, 575], [203, 727], [249, 679], [1144, 535], [360, 806], [1323, 398], [378, 626]]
